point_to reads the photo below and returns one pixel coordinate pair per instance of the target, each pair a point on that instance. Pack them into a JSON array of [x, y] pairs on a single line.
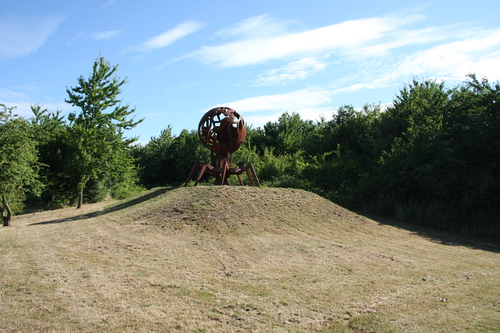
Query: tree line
[[431, 158]]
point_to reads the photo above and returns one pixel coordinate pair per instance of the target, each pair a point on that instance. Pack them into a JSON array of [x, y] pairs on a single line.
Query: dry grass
[[240, 259]]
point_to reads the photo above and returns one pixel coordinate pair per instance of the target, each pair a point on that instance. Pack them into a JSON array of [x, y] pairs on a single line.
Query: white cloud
[[479, 54], [358, 86], [382, 51], [9, 95], [399, 39], [258, 119], [21, 35], [261, 119], [296, 70], [101, 35], [23, 108], [488, 68], [291, 101], [340, 37], [168, 37], [473, 51], [314, 114], [108, 3], [21, 98], [309, 103], [256, 27], [105, 35]]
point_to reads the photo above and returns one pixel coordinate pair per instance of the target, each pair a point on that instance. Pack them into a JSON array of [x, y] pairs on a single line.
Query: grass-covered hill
[[240, 259]]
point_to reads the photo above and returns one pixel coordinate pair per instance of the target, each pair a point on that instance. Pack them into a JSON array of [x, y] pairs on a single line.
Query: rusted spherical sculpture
[[222, 130]]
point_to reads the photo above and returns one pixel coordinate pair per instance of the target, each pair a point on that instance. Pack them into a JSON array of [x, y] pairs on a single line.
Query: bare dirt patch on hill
[[240, 259]]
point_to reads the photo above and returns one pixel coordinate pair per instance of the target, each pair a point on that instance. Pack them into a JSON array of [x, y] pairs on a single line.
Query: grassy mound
[[243, 210]]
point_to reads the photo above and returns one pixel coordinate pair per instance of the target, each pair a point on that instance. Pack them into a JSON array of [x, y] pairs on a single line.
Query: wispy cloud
[[101, 35], [105, 35], [294, 71], [21, 35], [340, 37], [262, 26], [479, 53], [314, 114], [108, 3], [21, 98], [168, 37], [476, 51], [291, 101], [8, 95]]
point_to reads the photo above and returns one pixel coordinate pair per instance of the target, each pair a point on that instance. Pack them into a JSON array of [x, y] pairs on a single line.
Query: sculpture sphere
[[222, 130]]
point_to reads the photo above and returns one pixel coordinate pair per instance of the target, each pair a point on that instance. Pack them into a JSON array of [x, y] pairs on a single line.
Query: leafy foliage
[[18, 161], [167, 159], [55, 153]]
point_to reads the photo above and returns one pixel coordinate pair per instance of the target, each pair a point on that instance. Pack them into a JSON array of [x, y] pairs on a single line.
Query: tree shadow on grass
[[438, 236], [113, 208]]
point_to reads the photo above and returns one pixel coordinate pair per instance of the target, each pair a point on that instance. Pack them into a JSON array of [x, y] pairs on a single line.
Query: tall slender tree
[[97, 136]]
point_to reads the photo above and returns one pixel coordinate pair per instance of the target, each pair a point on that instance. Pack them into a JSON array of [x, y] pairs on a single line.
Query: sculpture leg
[[196, 167], [204, 168], [224, 174], [252, 175], [240, 179], [249, 175], [255, 175]]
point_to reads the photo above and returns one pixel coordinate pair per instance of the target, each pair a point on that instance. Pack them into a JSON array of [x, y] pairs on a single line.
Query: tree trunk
[[6, 218], [80, 187], [80, 199]]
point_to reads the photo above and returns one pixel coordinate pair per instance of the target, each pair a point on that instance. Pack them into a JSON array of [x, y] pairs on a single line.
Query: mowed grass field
[[240, 259]]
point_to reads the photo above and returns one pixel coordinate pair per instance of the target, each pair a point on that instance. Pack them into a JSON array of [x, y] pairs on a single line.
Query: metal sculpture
[[222, 130]]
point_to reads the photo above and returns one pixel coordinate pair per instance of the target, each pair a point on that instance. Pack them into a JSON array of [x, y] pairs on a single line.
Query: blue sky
[[260, 57]]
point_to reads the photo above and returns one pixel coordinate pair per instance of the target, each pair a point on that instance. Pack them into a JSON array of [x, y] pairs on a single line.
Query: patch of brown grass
[[240, 259]]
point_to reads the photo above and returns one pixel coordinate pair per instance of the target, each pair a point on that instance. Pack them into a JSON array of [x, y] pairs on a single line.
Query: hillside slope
[[240, 259], [242, 210]]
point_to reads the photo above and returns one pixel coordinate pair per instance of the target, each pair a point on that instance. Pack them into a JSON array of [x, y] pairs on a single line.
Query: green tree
[[97, 136], [155, 159], [346, 150], [168, 159], [472, 128], [55, 155], [442, 167], [413, 165], [288, 134], [18, 160], [186, 149]]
